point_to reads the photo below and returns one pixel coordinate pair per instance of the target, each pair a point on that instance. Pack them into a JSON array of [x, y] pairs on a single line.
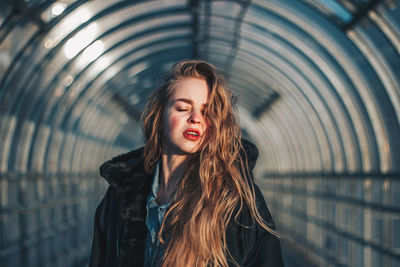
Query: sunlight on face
[[183, 123]]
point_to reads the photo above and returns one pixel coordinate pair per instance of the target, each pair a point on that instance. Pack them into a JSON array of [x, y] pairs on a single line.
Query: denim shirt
[[155, 214]]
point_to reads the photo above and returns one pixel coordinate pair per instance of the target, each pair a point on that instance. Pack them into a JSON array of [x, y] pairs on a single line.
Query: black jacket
[[120, 230]]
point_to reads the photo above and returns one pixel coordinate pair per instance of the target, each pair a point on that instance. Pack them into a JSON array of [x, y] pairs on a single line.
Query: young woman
[[187, 198]]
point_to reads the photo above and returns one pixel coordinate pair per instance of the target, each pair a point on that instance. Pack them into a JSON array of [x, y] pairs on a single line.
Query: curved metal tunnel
[[318, 86]]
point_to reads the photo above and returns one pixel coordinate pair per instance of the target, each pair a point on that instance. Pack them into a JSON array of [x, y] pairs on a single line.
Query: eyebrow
[[184, 100], [188, 101]]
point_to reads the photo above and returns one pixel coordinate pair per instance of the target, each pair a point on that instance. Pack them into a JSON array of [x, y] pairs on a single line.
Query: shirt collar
[[156, 186]]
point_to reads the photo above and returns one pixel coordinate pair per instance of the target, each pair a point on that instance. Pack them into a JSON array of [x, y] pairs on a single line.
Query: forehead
[[191, 89]]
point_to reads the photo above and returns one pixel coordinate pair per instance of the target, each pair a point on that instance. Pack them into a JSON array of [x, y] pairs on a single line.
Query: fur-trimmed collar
[[125, 170], [121, 171]]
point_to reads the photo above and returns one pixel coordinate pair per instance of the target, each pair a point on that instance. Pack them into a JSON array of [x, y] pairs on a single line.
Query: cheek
[[208, 130], [173, 122]]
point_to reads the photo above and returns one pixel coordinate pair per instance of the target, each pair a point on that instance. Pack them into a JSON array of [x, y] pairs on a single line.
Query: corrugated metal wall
[[318, 92]]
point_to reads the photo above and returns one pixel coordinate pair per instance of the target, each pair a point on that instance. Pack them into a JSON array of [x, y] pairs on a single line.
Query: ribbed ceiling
[[318, 82]]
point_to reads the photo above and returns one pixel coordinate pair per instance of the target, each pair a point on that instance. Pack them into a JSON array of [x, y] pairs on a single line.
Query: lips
[[192, 134]]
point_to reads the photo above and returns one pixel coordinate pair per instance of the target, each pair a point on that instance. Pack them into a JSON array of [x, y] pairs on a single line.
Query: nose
[[195, 117]]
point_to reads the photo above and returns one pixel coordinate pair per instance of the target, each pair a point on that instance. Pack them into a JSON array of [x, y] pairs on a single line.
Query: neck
[[173, 167]]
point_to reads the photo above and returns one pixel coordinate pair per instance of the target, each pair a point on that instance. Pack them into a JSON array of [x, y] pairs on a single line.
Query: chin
[[181, 149], [190, 149]]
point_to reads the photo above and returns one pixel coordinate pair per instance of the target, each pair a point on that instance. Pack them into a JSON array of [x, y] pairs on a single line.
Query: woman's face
[[183, 122]]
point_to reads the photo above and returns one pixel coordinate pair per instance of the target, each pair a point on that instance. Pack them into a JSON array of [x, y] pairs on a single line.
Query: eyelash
[[184, 109]]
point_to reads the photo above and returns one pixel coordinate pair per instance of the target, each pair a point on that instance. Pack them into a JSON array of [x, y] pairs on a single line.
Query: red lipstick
[[192, 134]]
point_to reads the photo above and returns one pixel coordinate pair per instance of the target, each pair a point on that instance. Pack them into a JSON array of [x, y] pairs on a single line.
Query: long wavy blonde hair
[[217, 182]]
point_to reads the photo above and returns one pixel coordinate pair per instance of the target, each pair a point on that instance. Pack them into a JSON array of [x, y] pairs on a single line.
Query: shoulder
[[249, 152]]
